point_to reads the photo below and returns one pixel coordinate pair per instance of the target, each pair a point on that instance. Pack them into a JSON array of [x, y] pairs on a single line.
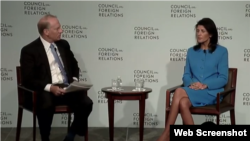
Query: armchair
[[227, 104]]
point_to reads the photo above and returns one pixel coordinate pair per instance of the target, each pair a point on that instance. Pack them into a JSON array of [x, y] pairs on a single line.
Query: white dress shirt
[[57, 77]]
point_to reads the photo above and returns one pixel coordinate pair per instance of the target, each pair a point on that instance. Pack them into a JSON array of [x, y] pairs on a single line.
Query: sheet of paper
[[76, 86], [82, 84]]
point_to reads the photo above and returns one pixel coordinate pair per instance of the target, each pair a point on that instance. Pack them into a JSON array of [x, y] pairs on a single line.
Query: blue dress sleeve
[[187, 76], [222, 78]]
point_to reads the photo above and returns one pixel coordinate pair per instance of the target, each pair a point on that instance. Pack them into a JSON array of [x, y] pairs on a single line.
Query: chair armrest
[[20, 97], [224, 94], [168, 92], [25, 89]]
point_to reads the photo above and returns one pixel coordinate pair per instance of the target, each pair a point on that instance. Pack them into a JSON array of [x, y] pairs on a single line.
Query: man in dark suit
[[47, 66]]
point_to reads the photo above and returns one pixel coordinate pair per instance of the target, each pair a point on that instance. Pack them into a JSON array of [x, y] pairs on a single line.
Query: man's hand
[[56, 90], [198, 86]]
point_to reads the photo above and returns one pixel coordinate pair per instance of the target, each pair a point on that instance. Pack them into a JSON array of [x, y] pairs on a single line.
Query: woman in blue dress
[[205, 75]]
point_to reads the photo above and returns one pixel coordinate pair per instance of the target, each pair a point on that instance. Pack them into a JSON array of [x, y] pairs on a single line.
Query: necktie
[[57, 59]]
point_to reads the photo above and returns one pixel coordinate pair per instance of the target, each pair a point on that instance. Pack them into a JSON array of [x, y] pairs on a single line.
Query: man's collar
[[46, 43]]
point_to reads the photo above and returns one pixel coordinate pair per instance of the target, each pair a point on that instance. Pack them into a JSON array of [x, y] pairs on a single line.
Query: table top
[[126, 90]]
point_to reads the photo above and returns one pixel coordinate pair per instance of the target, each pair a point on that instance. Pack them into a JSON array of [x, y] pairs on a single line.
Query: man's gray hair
[[43, 23]]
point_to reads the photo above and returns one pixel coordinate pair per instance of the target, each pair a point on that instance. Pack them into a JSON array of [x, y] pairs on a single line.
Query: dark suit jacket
[[35, 69]]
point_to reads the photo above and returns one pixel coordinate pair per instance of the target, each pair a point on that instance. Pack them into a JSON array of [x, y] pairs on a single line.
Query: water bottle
[[119, 82], [72, 117], [142, 82]]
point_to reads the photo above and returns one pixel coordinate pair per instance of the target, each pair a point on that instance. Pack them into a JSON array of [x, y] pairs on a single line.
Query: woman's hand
[[203, 86], [198, 86]]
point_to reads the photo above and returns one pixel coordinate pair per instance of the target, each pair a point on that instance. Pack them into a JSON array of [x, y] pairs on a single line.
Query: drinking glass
[[114, 84], [139, 84]]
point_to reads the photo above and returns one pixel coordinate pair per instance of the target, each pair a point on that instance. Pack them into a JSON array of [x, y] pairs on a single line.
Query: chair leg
[[86, 135], [34, 126], [19, 123], [218, 119], [69, 121], [232, 117], [166, 117]]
